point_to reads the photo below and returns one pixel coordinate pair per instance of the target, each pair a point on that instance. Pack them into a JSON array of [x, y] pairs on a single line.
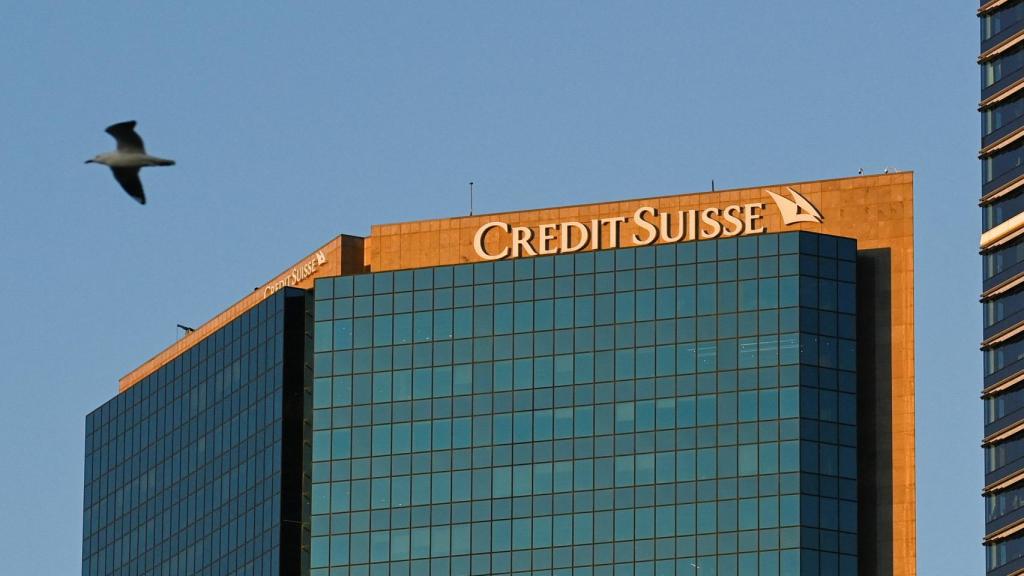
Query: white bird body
[[128, 159], [117, 159]]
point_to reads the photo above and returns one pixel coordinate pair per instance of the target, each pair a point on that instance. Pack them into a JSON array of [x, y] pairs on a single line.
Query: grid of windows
[[183, 471], [678, 409], [1003, 361]]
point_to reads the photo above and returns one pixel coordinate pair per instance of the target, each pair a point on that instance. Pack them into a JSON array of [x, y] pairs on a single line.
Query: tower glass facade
[[198, 468], [667, 410], [1002, 201]]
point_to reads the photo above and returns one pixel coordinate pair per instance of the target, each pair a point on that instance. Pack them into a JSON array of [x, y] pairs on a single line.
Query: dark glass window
[[1003, 259], [1002, 210], [1004, 453], [1005, 306], [1003, 114], [1005, 64], [1001, 19], [1003, 162], [1003, 404], [1002, 503], [1005, 551], [1003, 356]]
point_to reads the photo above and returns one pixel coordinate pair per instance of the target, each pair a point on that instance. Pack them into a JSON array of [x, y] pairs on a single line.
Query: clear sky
[[293, 124]]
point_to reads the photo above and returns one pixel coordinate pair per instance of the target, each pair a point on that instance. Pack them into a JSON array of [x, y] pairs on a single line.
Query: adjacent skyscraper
[[1002, 248], [716, 383]]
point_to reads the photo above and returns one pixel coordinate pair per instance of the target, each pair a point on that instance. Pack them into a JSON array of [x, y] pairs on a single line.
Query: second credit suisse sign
[[652, 224]]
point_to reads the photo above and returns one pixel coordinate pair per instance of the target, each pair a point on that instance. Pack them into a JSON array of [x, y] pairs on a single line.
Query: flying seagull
[[128, 159]]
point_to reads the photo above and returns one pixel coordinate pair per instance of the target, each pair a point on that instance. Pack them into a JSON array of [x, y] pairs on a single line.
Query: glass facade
[[1002, 112], [683, 409], [198, 468]]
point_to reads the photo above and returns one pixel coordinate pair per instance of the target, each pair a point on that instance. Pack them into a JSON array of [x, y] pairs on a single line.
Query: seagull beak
[[90, 161]]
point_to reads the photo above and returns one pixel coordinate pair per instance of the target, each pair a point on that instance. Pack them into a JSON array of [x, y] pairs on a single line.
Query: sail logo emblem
[[796, 208]]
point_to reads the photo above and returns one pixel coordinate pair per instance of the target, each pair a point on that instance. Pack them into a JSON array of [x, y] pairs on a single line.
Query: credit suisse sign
[[652, 226], [296, 274]]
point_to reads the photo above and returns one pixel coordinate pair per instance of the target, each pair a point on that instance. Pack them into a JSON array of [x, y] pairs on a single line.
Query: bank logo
[[799, 209], [297, 274]]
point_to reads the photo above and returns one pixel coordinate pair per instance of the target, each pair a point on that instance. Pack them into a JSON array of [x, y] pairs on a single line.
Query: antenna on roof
[[187, 329], [470, 198], [712, 184]]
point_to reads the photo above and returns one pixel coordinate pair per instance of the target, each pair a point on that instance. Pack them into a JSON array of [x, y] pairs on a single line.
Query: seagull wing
[[128, 178], [127, 139]]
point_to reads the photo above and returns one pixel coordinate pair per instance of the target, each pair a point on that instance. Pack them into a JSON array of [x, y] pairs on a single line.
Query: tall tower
[[713, 383], [1002, 249]]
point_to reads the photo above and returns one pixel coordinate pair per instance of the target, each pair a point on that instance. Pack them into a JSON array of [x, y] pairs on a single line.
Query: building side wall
[[184, 470]]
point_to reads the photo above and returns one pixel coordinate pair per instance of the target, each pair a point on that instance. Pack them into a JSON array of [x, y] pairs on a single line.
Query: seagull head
[[100, 159]]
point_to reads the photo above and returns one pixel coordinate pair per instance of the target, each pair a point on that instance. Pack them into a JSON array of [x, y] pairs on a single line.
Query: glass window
[[1002, 503], [1003, 453], [1003, 114], [996, 359], [1005, 161], [1003, 18], [1002, 210]]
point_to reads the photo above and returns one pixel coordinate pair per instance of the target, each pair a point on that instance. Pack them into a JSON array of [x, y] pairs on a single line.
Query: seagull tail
[[162, 162]]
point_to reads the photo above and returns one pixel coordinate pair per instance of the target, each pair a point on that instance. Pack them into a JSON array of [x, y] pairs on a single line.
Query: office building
[[1002, 160], [717, 383]]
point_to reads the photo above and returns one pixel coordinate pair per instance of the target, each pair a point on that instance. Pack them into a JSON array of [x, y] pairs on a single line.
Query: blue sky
[[293, 124]]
